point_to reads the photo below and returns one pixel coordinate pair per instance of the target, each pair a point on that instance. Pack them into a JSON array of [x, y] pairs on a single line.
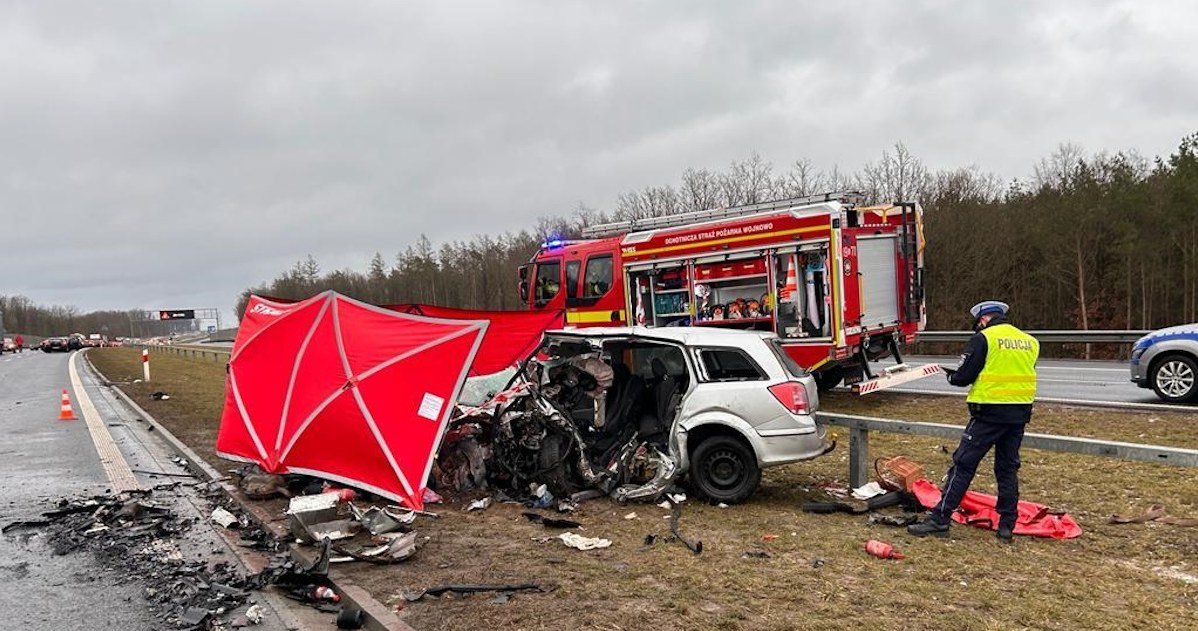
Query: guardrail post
[[858, 457]]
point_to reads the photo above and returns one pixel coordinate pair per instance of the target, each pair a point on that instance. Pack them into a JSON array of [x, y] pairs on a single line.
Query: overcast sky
[[160, 154]]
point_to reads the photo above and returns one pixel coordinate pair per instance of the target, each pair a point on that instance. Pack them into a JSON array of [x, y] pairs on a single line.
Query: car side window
[[729, 364]]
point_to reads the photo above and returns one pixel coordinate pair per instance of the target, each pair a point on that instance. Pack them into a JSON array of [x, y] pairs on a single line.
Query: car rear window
[[788, 362], [729, 364]]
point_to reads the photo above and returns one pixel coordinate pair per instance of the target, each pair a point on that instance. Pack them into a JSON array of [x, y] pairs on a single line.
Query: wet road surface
[[43, 459]]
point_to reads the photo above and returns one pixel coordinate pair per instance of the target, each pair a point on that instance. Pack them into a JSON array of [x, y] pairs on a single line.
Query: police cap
[[988, 306]]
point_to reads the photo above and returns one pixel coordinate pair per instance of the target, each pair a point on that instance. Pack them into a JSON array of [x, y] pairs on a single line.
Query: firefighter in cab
[[999, 367]]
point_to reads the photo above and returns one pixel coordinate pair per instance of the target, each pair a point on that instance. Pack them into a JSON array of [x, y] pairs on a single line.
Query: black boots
[[1005, 534], [928, 527]]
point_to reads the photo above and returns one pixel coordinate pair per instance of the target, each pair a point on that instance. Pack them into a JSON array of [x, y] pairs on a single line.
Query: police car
[[1167, 361]]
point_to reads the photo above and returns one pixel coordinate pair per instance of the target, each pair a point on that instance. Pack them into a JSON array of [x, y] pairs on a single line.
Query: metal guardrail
[[861, 466], [194, 352], [1067, 337]]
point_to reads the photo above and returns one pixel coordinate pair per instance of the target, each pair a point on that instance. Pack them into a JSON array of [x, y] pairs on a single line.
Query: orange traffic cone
[[792, 281], [67, 414]]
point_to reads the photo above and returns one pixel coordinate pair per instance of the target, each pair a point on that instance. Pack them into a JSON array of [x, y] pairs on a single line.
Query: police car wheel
[[1174, 378]]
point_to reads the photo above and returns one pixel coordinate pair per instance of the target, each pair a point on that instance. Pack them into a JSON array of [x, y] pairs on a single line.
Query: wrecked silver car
[[630, 411]]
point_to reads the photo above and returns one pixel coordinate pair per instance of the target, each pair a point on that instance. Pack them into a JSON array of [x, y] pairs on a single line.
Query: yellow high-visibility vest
[[1009, 375]]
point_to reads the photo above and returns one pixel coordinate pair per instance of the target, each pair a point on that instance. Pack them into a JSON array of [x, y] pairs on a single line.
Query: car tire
[[1174, 378], [551, 460], [724, 469]]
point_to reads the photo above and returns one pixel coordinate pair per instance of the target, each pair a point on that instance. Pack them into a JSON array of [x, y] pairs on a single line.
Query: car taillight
[[792, 395]]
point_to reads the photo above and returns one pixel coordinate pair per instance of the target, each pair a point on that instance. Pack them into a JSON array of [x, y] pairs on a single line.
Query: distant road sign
[[211, 329], [179, 314]]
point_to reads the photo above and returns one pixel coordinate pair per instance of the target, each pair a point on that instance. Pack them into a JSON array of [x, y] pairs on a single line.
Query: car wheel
[[724, 469], [1174, 378], [551, 460]]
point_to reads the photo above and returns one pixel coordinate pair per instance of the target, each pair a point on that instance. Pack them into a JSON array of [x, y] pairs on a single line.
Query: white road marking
[[115, 466]]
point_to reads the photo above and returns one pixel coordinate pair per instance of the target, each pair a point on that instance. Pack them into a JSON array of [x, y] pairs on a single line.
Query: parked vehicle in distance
[[55, 345], [9, 346], [76, 342], [1167, 361], [631, 410]]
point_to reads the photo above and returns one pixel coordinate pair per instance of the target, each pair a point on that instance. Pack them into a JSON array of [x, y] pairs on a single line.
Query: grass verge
[[816, 574]]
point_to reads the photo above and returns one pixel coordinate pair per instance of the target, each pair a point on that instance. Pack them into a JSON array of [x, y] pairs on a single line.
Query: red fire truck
[[839, 282]]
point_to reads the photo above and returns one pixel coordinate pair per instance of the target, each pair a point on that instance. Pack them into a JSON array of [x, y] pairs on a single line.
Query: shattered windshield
[[478, 390]]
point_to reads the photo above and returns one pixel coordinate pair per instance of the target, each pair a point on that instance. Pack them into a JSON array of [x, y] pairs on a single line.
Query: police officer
[[999, 366]]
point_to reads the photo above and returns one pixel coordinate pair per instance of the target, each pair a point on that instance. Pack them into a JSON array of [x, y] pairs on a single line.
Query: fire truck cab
[[839, 282]]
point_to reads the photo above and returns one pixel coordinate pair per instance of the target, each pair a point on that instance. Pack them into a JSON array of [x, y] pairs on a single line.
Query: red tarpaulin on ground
[[344, 390], [978, 509], [511, 336]]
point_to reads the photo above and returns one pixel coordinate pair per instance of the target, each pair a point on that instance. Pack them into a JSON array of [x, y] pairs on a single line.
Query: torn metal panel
[[381, 520], [332, 530]]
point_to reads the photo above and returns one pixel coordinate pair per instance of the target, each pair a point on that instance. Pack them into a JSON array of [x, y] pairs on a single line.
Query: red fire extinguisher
[[882, 550]]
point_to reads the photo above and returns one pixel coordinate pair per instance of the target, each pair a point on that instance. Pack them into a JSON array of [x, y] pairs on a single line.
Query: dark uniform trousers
[[977, 439]]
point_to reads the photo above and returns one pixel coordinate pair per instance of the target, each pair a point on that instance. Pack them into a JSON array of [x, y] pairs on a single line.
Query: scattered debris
[[650, 539], [383, 520], [254, 614], [263, 486], [459, 589], [1156, 513], [893, 520], [550, 522], [817, 563], [27, 523], [139, 536], [631, 515], [580, 542], [721, 505], [351, 618], [333, 530], [832, 488], [695, 546], [756, 554], [867, 491], [431, 497], [768, 537], [306, 512], [481, 504], [395, 549], [224, 518], [898, 473], [588, 494], [161, 396]]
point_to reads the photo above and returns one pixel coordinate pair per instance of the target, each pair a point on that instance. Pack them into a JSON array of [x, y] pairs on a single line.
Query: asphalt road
[[1075, 380], [46, 459]]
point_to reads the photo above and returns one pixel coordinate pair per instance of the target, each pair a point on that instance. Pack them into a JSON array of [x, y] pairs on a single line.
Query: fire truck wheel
[[724, 469], [828, 378]]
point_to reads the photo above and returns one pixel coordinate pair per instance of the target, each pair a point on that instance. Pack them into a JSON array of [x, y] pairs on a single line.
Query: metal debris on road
[[224, 517], [480, 504]]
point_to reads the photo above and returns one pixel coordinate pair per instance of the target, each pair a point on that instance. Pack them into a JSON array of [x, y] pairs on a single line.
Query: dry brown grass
[[1111, 577]]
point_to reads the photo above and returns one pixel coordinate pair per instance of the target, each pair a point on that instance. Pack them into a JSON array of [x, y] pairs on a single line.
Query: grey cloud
[[202, 147]]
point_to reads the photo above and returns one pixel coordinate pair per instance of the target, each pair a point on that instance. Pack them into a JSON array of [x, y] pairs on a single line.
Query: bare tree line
[[1105, 241]]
